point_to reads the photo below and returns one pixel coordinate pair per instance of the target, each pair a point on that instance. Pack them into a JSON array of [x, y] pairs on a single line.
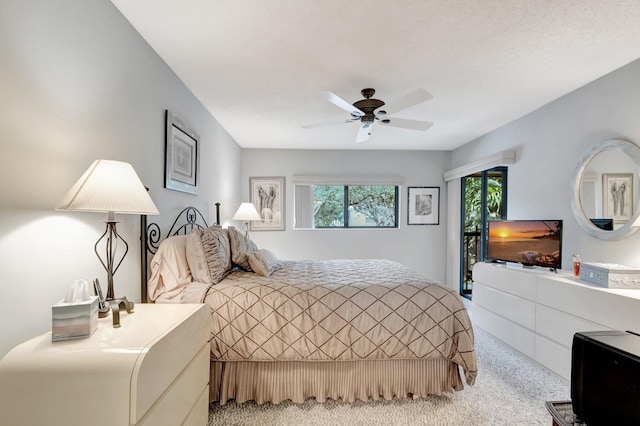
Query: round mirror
[[606, 191]]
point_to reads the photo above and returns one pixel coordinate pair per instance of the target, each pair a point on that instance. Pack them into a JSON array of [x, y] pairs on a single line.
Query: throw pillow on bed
[[263, 262], [209, 254], [241, 246]]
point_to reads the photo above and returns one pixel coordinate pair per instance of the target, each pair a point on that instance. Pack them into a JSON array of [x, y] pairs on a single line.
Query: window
[[484, 198], [346, 206]]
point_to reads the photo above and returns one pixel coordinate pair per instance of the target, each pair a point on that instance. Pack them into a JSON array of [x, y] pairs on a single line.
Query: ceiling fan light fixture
[[367, 119]]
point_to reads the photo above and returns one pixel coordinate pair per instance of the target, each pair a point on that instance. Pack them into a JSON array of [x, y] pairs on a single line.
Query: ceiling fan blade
[[328, 123], [364, 132], [406, 123], [341, 103], [406, 101]]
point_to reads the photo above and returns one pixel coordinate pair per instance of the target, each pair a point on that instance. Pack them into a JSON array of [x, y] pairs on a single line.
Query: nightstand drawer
[[198, 416], [175, 405], [165, 359]]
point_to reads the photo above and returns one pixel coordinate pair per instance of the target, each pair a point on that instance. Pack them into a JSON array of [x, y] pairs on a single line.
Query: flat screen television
[[529, 242]]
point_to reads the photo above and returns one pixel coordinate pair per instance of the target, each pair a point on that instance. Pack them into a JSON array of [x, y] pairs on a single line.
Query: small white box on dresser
[[610, 275]]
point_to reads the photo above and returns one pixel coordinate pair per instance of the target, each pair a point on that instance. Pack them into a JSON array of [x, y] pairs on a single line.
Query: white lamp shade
[[109, 186], [246, 211]]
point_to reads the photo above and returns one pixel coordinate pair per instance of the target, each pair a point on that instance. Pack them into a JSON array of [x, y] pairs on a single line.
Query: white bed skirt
[[339, 380]]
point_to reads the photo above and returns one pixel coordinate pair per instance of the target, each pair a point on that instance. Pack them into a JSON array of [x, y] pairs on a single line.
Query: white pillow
[[209, 254], [170, 271], [263, 262]]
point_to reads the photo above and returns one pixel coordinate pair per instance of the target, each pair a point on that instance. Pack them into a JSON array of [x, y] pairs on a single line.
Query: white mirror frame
[[633, 151]]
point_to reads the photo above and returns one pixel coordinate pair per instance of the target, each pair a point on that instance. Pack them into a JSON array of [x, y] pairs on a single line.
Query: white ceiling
[[258, 65]]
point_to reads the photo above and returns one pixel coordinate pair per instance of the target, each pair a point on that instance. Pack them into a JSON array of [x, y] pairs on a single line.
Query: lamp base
[[111, 265], [103, 312], [110, 239], [116, 305]]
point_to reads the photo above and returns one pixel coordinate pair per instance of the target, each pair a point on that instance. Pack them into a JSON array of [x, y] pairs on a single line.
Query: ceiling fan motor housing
[[368, 106]]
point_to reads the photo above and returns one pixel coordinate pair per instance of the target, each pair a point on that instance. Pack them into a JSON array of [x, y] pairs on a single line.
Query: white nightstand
[[154, 370]]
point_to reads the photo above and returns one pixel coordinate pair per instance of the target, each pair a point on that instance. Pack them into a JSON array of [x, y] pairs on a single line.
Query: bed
[[341, 329]]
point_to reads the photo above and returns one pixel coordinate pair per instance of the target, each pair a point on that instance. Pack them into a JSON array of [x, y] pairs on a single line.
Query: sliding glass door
[[484, 198]]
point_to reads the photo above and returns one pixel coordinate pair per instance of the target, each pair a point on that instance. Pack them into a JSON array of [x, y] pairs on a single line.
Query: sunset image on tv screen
[[531, 242]]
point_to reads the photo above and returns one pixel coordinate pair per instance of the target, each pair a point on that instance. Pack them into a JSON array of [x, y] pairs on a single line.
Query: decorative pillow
[[209, 254], [241, 246], [263, 262], [169, 269]]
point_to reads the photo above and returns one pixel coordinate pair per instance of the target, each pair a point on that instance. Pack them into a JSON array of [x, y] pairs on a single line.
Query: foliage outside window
[[355, 206], [473, 201]]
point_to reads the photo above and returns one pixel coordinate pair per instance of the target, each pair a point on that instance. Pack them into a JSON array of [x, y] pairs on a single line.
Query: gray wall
[[548, 144], [419, 247], [78, 83]]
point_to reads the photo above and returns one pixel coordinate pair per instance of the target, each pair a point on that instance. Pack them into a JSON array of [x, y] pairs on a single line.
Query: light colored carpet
[[510, 389]]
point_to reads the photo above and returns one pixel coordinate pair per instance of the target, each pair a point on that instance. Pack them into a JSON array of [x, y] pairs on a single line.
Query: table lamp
[[246, 212], [112, 187]]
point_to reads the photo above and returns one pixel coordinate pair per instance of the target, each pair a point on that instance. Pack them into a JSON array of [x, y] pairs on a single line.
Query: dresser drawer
[[506, 305], [560, 327], [509, 332], [507, 280]]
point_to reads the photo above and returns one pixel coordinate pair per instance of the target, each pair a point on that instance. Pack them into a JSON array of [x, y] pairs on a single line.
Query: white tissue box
[[74, 320]]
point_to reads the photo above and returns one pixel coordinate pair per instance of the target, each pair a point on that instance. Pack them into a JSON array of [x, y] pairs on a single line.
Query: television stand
[[537, 312]]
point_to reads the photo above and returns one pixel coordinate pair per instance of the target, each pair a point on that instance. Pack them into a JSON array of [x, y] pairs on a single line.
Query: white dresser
[[154, 370], [537, 312]]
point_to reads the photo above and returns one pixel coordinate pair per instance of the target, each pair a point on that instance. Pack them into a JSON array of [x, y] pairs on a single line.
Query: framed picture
[[182, 156], [267, 194], [618, 196], [423, 205]]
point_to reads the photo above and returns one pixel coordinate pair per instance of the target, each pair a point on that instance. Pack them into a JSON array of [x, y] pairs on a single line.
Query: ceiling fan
[[369, 110]]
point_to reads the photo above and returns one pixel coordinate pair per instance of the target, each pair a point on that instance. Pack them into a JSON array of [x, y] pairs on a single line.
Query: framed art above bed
[[267, 194], [182, 156]]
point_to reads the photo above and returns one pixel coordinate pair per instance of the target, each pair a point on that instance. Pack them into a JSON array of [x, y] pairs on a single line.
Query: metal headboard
[[186, 221]]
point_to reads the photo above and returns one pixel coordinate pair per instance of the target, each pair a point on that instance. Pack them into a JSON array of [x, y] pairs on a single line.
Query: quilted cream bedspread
[[339, 310]]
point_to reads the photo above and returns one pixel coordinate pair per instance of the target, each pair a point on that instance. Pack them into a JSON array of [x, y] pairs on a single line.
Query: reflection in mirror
[[590, 196], [608, 195], [606, 191]]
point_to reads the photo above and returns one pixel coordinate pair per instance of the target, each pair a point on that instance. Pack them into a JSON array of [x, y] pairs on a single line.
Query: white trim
[[486, 163], [347, 180]]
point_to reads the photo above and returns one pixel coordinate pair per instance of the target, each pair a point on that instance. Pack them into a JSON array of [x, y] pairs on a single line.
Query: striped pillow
[[241, 246], [263, 262], [209, 254]]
